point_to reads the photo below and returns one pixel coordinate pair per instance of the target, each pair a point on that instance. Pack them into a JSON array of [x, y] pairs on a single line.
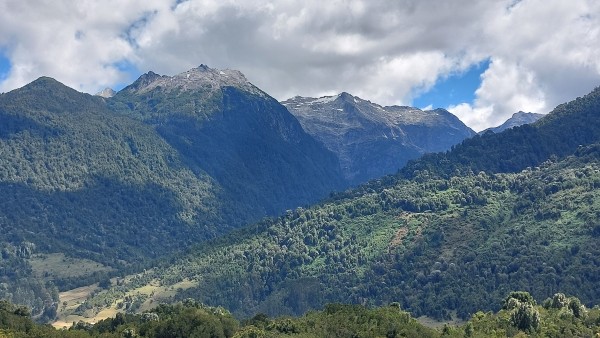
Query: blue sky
[[131, 71], [454, 89], [4, 65]]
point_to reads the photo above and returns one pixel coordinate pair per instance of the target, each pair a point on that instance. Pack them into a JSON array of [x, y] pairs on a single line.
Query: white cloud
[[505, 89], [544, 52]]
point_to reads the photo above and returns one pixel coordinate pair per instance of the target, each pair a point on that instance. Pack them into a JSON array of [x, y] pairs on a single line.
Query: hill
[[439, 243], [517, 119], [94, 185], [81, 180], [370, 140], [559, 133]]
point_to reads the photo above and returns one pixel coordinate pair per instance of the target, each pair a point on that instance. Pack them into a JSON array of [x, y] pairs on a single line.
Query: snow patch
[[326, 99]]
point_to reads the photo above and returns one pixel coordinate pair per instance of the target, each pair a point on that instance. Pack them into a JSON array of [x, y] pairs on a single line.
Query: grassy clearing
[[69, 301], [152, 294], [57, 266], [68, 321]]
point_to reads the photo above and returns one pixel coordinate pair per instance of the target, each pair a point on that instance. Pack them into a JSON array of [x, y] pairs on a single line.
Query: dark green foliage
[[560, 133], [79, 178], [250, 144], [434, 245]]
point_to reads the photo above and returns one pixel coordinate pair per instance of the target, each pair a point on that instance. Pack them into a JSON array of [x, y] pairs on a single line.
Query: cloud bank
[[542, 52]]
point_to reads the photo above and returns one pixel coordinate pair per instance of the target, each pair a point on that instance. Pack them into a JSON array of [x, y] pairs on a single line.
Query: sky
[[483, 60]]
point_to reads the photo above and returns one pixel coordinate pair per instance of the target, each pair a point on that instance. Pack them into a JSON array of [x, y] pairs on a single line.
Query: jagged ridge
[[371, 140]]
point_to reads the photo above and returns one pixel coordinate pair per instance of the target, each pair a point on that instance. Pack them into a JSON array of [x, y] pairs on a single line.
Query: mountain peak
[[201, 78], [106, 93], [46, 84], [43, 81], [345, 96], [371, 140], [517, 119]]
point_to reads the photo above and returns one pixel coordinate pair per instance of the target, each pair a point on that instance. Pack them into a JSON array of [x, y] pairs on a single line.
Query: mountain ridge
[[201, 77], [517, 119], [371, 140], [226, 126]]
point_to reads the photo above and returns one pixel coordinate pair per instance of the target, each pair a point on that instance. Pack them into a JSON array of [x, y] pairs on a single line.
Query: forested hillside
[[438, 243], [435, 245], [92, 186], [221, 124], [78, 179], [559, 133]]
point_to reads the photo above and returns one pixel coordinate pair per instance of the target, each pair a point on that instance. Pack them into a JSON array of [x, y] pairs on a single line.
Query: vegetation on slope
[[78, 178], [560, 316], [559, 133], [244, 139], [434, 245]]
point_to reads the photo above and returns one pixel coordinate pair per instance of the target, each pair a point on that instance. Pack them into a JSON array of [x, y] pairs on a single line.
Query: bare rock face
[[202, 78], [371, 140], [106, 93]]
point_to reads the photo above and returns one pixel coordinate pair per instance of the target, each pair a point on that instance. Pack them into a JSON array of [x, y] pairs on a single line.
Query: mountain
[[517, 119], [91, 185], [249, 143], [370, 140], [558, 134], [76, 176], [441, 243], [79, 180], [106, 93]]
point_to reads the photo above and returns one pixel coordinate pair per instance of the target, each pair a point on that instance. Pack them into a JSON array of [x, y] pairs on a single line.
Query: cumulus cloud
[[543, 52], [505, 89]]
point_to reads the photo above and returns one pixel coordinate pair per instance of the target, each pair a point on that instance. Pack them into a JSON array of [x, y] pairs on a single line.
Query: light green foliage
[[190, 319], [525, 317], [434, 245]]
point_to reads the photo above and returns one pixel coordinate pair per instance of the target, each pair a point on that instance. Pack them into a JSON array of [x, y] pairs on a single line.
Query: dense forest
[[91, 187], [520, 316], [443, 241], [449, 235], [439, 247]]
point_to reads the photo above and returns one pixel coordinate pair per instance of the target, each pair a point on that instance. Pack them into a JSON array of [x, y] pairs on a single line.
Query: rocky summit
[[372, 140], [106, 93], [201, 78]]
